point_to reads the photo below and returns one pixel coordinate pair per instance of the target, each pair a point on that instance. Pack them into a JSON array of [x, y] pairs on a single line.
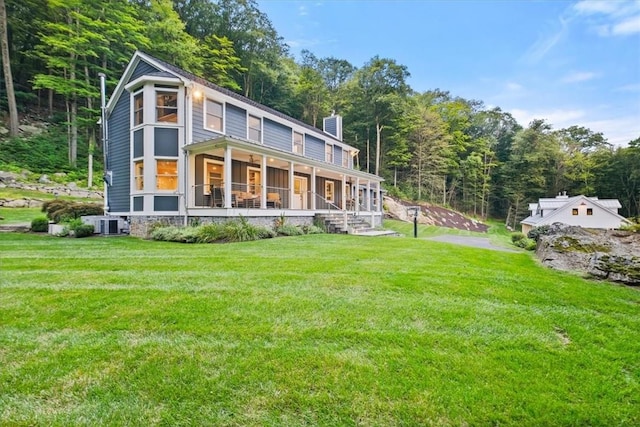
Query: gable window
[[255, 129], [167, 106], [574, 211], [167, 174], [345, 159], [138, 174], [328, 153], [329, 187], [213, 115], [138, 109], [298, 143], [589, 211]]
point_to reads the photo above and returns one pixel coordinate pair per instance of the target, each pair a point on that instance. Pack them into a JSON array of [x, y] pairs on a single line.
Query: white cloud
[[577, 77], [614, 18], [545, 43], [302, 10], [628, 26], [618, 130], [514, 87], [558, 118]]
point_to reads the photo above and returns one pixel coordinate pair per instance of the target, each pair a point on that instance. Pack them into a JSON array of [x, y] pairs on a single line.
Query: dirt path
[[476, 242]]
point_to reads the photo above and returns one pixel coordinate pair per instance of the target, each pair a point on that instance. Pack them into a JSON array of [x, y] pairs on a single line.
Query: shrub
[[517, 236], [209, 233], [289, 230], [535, 233], [240, 231], [62, 210], [40, 224], [168, 234], [312, 229], [83, 230], [634, 228]]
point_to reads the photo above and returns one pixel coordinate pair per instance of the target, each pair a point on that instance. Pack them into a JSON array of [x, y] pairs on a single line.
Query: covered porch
[[231, 177]]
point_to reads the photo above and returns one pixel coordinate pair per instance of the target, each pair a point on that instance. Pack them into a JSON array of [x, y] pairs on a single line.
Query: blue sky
[[569, 62]]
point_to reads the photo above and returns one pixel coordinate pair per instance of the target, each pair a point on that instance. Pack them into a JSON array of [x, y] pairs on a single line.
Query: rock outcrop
[[607, 254]]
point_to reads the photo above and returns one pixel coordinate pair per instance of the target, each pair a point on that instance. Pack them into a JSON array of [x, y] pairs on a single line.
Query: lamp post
[[414, 210]]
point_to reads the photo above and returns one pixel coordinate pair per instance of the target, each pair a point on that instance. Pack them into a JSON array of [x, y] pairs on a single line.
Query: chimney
[[333, 126]]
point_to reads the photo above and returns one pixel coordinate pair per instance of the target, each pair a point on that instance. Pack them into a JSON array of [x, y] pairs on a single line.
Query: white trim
[[293, 142], [205, 178], [145, 79], [332, 184]]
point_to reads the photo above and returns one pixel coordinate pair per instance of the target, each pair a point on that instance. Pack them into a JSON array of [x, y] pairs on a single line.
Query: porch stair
[[334, 223]]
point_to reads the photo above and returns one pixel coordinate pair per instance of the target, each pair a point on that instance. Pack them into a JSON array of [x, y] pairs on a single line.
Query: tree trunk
[[8, 77], [378, 142]]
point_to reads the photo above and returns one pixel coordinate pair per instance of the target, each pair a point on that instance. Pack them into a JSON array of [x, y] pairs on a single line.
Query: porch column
[[369, 205], [379, 190], [357, 197], [263, 183], [313, 188], [343, 183], [291, 193], [227, 176]]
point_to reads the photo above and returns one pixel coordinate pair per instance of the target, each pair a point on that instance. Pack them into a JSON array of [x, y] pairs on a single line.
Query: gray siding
[[119, 155], [337, 188], [236, 122], [141, 69], [313, 147], [199, 131], [277, 135]]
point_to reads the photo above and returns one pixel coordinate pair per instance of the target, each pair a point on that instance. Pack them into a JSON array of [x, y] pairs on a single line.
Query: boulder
[[607, 254]]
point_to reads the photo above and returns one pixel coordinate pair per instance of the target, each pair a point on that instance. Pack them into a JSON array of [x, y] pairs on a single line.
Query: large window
[[298, 143], [138, 174], [329, 187], [167, 174], [138, 109], [255, 129], [214, 115], [167, 106], [328, 153]]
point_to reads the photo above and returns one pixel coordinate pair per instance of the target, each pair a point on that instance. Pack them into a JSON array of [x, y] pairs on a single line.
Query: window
[[345, 159], [255, 129], [574, 211], [328, 153], [213, 176], [214, 115], [298, 143], [589, 211], [167, 107], [328, 190], [138, 109], [167, 174], [138, 174]]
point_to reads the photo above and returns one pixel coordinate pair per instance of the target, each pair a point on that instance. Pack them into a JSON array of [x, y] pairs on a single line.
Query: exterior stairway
[[334, 223]]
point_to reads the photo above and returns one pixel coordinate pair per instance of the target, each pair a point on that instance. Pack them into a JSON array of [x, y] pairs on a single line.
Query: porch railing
[[243, 195]]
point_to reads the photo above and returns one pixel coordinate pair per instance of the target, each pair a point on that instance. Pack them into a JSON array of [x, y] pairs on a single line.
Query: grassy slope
[[320, 330]]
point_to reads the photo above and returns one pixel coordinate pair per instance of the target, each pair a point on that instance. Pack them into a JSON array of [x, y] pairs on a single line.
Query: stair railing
[[338, 208]]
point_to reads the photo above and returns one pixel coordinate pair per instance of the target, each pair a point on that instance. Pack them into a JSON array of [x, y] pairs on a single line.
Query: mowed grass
[[311, 330]]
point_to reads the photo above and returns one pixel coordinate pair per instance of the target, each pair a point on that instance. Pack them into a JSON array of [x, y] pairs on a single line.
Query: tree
[[381, 86], [220, 62], [8, 76]]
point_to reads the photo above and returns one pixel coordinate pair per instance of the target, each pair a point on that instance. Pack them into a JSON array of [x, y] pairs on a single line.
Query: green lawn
[[311, 330]]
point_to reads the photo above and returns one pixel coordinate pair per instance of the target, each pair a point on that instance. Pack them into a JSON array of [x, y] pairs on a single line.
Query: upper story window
[[574, 211], [138, 108], [255, 129], [214, 115], [167, 174], [167, 106], [589, 211], [298, 143], [345, 159], [328, 153]]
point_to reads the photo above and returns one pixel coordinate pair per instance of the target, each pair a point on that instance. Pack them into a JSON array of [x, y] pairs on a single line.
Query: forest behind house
[[431, 146]]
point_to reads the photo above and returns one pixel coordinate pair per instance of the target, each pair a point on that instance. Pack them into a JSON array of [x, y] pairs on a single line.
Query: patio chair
[[273, 200]]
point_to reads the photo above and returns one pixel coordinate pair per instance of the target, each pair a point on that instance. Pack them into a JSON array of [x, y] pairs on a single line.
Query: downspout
[[105, 142]]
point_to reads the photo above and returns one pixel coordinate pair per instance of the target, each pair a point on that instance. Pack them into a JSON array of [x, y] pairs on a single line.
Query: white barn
[[582, 211]]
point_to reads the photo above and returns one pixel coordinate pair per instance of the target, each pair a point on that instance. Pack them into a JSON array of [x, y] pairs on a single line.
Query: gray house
[[180, 148]]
